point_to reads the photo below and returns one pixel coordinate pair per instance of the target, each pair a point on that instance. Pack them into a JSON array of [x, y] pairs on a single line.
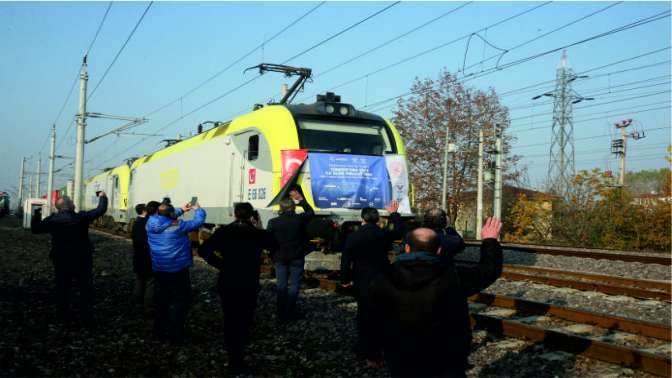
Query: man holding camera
[[71, 253], [170, 247]]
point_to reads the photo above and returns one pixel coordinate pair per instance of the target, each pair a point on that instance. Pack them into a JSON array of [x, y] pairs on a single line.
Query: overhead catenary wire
[[74, 82], [109, 67], [605, 91], [656, 17], [442, 45], [640, 22], [534, 87], [590, 137], [564, 26], [594, 105], [635, 110], [318, 44], [247, 82], [100, 26], [394, 39], [240, 59]]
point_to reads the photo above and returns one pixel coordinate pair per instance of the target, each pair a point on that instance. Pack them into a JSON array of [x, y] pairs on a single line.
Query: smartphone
[[194, 200]]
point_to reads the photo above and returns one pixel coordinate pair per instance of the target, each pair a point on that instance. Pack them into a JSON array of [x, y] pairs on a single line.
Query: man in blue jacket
[[171, 259]]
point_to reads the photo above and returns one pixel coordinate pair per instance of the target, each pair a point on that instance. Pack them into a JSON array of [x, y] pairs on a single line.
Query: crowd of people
[[412, 314]]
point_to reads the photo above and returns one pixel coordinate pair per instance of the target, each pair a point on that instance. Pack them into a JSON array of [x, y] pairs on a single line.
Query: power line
[[594, 105], [100, 26], [340, 32], [583, 138], [534, 87], [427, 51], [601, 117], [74, 82], [258, 76], [218, 73], [398, 37], [501, 55], [640, 22], [550, 81], [601, 151], [596, 93], [120, 51]]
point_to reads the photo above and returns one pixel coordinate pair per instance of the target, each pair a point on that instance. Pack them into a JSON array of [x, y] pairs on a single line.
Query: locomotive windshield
[[345, 138]]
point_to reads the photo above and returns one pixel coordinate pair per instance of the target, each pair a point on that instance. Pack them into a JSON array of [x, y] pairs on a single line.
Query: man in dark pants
[[289, 229], [170, 247], [364, 258], [142, 259], [71, 253], [451, 242], [239, 246], [419, 307]]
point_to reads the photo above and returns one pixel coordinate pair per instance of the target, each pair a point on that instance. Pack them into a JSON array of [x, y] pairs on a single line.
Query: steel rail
[[556, 340], [661, 258], [588, 286], [633, 358], [611, 322], [664, 286], [599, 350]]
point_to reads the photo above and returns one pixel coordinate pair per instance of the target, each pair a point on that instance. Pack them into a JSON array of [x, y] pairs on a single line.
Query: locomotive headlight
[[329, 108], [343, 110]]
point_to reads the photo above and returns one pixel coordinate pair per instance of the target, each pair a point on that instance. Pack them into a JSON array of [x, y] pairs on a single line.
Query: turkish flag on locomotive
[[291, 161]]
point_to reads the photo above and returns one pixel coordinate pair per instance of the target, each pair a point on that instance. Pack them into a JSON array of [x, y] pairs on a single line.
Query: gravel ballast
[[33, 344]]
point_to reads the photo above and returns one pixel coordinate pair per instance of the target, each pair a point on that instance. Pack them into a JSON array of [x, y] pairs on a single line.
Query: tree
[[596, 214], [447, 105]]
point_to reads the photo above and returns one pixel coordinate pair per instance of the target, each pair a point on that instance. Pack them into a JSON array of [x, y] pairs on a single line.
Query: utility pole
[[619, 146], [39, 175], [479, 192], [498, 173], [50, 177], [81, 125], [449, 147], [23, 163]]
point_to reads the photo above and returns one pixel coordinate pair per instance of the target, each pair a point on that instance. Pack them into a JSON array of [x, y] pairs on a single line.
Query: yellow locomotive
[[259, 154]]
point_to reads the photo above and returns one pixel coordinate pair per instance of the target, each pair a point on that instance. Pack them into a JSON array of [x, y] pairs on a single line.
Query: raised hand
[[393, 206], [491, 228], [295, 195]]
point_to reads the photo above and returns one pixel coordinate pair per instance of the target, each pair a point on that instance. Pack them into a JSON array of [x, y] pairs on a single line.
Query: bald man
[[71, 253], [419, 308]]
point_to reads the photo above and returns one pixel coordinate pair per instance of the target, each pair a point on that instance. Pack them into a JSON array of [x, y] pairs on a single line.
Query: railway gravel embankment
[[32, 344], [649, 310]]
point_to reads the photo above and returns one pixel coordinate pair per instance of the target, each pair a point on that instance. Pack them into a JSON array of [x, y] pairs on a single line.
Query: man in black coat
[[451, 242], [364, 258], [142, 258], [419, 308], [289, 229], [239, 246], [71, 253]]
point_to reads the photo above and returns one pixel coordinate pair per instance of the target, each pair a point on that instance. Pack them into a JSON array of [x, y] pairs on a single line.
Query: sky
[[180, 45]]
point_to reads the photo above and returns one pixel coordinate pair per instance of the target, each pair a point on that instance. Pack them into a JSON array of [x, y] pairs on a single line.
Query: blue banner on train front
[[349, 181]]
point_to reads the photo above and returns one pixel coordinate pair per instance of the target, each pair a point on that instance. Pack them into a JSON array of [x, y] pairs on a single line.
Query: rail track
[[632, 343], [606, 337], [631, 287], [661, 258]]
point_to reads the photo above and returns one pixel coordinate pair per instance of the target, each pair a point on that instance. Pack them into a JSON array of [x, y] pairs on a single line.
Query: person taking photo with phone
[[170, 248]]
